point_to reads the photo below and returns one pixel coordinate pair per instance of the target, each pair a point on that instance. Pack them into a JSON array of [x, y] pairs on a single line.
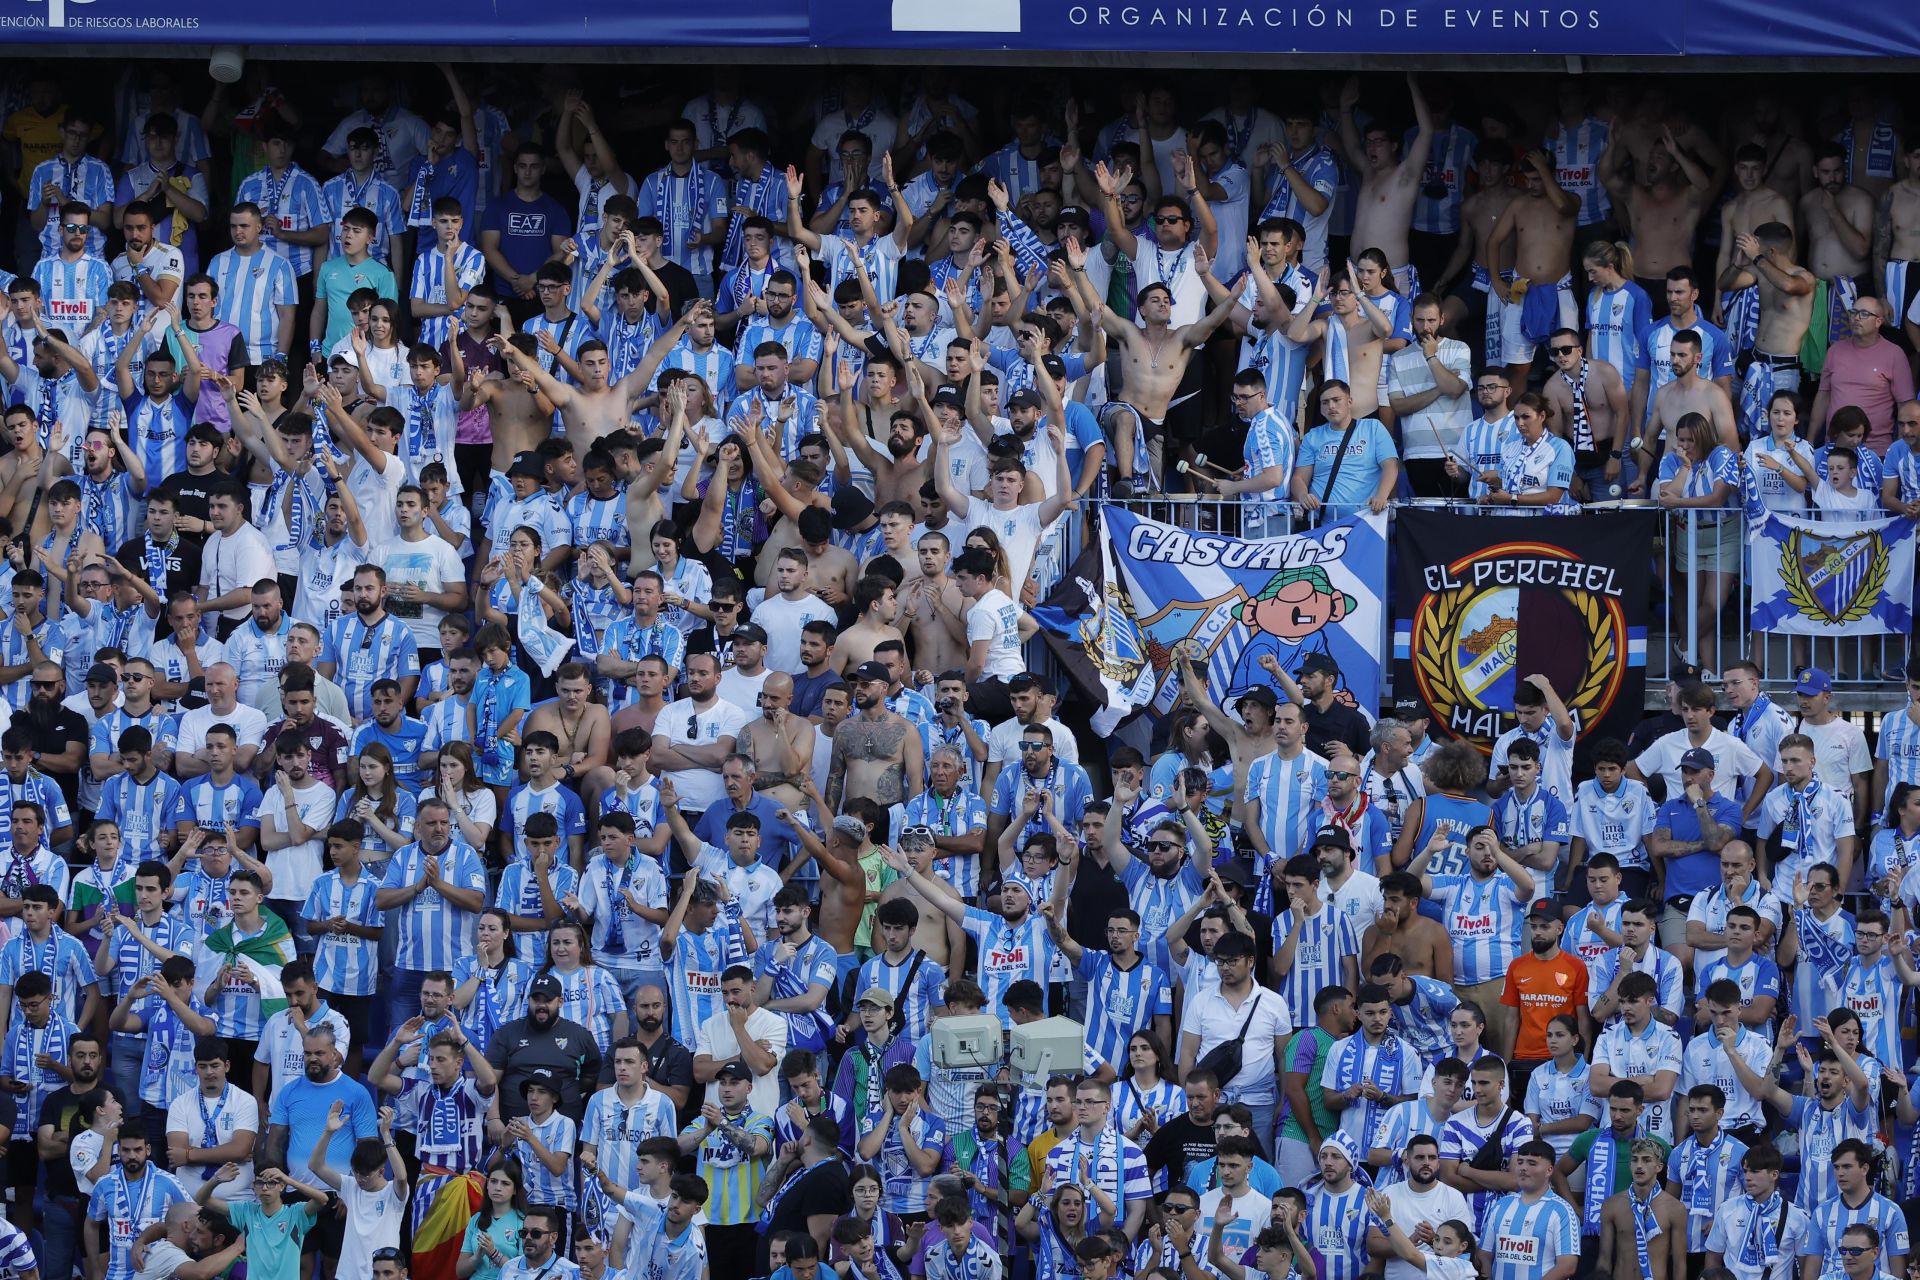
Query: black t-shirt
[[823, 1189], [62, 1110], [1338, 723], [679, 282], [670, 1063], [1178, 1145], [1096, 892], [182, 561], [190, 495]]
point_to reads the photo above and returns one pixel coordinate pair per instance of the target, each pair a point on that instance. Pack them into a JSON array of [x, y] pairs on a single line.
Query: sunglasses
[[1563, 351], [534, 1232], [1338, 775], [74, 226], [918, 831], [387, 1254], [1855, 1250], [1169, 219], [130, 677], [1034, 746], [1165, 845], [45, 684]]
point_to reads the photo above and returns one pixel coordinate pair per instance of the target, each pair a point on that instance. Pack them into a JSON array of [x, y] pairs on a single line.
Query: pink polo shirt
[[1876, 378]]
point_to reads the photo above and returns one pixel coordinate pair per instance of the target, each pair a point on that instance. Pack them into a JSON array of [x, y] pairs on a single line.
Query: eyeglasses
[[1563, 351], [1486, 387]]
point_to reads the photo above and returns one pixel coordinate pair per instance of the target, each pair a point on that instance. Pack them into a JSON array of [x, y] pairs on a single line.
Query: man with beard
[[771, 402], [901, 470], [1422, 1202], [446, 719], [57, 1206], [177, 1248], [258, 647], [298, 1121], [542, 1043], [669, 1063], [375, 644], [59, 735], [1541, 986], [875, 752], [126, 1202]]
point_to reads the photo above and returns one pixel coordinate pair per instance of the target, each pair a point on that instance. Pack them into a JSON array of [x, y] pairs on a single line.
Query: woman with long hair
[[984, 539], [1193, 744], [380, 356], [589, 995], [1618, 308], [475, 809], [1700, 478], [1536, 471], [506, 579], [1451, 774], [1054, 1222], [1558, 1099], [689, 587], [1145, 1096], [493, 1233], [380, 806], [490, 985]]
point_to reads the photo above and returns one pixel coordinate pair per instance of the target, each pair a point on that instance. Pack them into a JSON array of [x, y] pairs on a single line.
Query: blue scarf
[[1601, 1158], [1645, 1227], [1385, 1072], [1757, 1244], [1830, 958]]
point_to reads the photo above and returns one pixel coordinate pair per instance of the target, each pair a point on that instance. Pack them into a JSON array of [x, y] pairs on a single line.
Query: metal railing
[[1699, 610]]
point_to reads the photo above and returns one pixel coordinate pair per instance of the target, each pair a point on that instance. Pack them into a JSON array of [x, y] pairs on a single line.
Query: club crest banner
[[1486, 601], [1146, 591], [1832, 578]]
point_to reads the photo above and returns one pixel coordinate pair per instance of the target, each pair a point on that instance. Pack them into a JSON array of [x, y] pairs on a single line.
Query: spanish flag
[[438, 1235]]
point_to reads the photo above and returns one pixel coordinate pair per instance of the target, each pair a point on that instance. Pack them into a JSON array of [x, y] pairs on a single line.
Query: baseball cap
[[1319, 662], [1543, 909], [1234, 871], [1682, 672], [1075, 214], [750, 631], [528, 464], [1332, 838], [1025, 398], [1056, 367], [544, 1078], [1813, 680], [1408, 707], [1696, 758], [547, 987], [850, 508], [872, 671], [101, 673], [879, 997], [949, 396], [1261, 694], [737, 1069]]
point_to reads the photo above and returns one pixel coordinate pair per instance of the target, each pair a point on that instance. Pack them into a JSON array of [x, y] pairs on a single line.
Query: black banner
[[1481, 602]]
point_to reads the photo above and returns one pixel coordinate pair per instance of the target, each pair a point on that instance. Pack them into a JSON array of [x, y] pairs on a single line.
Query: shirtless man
[[1541, 226], [1787, 159], [584, 728], [1896, 238], [1786, 310], [1363, 338], [1400, 930], [596, 407], [1691, 393], [900, 471], [1736, 306], [512, 402], [1389, 179], [1153, 357], [1838, 223], [1589, 389], [1621, 1225], [876, 607], [1660, 205], [20, 469], [843, 881], [1479, 214], [780, 743], [831, 569], [1873, 160], [876, 753], [936, 933], [932, 609]]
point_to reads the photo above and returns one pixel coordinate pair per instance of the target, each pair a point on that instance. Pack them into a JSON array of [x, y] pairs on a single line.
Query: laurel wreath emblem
[[1800, 592]]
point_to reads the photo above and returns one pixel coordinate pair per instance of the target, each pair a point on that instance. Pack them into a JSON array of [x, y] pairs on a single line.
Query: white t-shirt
[[237, 1112], [81, 1154], [1003, 742], [996, 619], [699, 789], [717, 1040], [429, 564], [783, 619], [744, 691], [1018, 529], [1215, 1020], [373, 1222], [236, 560], [164, 1257], [374, 491], [296, 867], [1410, 1209], [1839, 752], [249, 727], [1732, 761], [1241, 1219]]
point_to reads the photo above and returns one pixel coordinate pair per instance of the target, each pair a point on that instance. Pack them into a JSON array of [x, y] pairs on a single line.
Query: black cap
[[1026, 398], [1682, 672], [547, 987], [870, 671], [850, 508], [1319, 662], [1056, 367], [1408, 707], [528, 464], [101, 673], [1543, 909], [1260, 693], [544, 1078], [750, 631], [1332, 838], [1235, 871], [949, 396], [736, 1068], [1075, 214]]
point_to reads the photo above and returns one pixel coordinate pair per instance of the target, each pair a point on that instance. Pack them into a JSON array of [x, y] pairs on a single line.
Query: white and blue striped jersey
[[1555, 1096], [526, 800], [556, 1133], [1656, 344], [1576, 163], [432, 932], [518, 894], [1289, 794], [429, 284], [102, 347], [205, 803], [87, 180], [158, 428], [1336, 1230], [766, 196], [432, 418], [1449, 160], [799, 336], [251, 287], [1422, 1020], [1527, 1239], [959, 814], [363, 655], [344, 964], [72, 292], [1008, 953], [1322, 174], [1483, 445], [374, 194], [916, 1003], [288, 201], [1616, 319], [569, 333], [714, 366], [110, 508], [1821, 1129], [1121, 1002], [627, 340], [695, 964], [881, 256], [1899, 746], [1483, 918], [598, 520], [1616, 822], [687, 205], [1270, 443], [1325, 941], [1831, 1220]]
